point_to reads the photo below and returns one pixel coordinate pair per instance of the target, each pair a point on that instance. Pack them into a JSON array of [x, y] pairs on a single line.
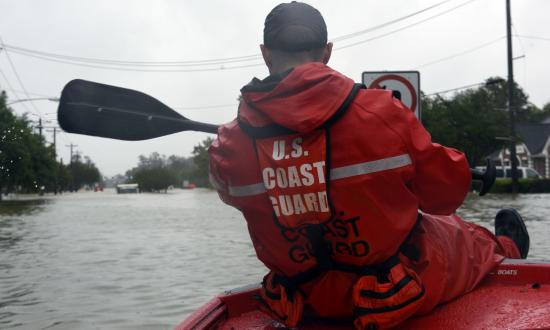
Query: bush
[[526, 186]]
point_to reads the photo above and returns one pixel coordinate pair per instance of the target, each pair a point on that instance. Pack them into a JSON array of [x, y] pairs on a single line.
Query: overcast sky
[[461, 41]]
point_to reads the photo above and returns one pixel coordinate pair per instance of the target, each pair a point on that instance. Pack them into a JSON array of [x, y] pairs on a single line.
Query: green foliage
[[536, 115], [183, 167], [471, 120], [201, 159], [82, 173], [526, 186], [156, 172], [28, 165], [154, 179]]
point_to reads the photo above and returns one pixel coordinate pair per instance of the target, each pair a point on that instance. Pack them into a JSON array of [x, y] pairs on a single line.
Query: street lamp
[[53, 99]]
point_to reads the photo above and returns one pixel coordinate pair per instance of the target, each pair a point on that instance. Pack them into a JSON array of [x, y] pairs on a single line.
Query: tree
[[153, 173], [472, 119], [26, 163], [183, 167], [82, 173], [154, 179], [157, 172], [201, 159], [537, 115]]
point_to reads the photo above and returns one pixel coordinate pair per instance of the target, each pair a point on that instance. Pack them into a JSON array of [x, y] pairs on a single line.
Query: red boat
[[515, 296]]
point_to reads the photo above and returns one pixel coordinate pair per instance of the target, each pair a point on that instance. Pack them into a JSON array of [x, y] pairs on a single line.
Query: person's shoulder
[[231, 137], [381, 106], [229, 129], [379, 102]]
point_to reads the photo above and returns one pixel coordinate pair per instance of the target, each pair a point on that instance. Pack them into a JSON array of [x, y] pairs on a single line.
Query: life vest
[[295, 169]]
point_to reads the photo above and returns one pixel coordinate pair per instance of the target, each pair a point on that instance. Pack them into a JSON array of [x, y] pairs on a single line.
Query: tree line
[[158, 172], [29, 165], [471, 120]]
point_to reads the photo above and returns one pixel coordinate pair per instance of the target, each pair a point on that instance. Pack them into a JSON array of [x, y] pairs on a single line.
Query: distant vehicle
[[506, 172], [127, 188], [188, 185]]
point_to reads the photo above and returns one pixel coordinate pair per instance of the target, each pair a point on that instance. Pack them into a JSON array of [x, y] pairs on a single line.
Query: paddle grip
[[486, 177]]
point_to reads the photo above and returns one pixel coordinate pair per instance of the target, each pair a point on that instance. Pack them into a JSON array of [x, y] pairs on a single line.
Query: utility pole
[[511, 105], [71, 146], [54, 130], [54, 142], [40, 126], [55, 190]]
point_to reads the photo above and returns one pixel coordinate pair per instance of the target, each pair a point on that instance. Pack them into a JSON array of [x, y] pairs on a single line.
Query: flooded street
[[108, 261]]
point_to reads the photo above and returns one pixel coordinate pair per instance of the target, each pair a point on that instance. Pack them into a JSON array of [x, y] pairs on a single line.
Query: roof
[[534, 136], [495, 155]]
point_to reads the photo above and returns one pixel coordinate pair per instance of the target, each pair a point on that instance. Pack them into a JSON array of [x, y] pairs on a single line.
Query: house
[[533, 149]]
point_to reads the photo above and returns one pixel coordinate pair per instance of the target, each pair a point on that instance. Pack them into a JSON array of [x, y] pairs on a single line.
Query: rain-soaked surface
[[108, 261]]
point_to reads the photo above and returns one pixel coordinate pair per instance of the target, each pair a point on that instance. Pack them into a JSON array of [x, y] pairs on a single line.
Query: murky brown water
[[107, 261]]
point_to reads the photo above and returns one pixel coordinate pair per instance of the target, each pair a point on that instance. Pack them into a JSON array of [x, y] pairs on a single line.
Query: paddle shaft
[[189, 124]]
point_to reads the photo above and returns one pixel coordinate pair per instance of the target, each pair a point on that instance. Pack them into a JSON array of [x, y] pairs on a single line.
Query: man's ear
[[326, 53], [266, 53]]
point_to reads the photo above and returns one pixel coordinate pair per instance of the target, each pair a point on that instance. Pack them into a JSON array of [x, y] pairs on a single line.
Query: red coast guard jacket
[[380, 163]]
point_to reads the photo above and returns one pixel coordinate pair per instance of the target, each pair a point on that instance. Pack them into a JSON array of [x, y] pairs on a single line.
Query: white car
[[506, 172]]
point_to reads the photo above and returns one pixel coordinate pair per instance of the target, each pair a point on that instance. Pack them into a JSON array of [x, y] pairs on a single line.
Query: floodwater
[[146, 261]]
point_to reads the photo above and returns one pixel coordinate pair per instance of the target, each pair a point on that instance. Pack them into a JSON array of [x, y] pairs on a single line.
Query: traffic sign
[[405, 84]]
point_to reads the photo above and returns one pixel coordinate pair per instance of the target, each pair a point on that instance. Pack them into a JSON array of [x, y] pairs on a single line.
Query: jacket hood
[[300, 99]]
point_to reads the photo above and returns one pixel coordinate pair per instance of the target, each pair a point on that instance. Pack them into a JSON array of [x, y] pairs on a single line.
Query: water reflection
[[21, 207], [12, 214]]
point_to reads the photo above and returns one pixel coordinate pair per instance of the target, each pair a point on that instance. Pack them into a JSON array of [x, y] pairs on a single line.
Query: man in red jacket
[[347, 200]]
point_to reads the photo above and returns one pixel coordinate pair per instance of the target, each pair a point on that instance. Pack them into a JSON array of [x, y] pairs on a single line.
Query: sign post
[[404, 84]]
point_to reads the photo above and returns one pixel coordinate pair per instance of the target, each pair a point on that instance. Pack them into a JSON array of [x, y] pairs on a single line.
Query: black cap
[[293, 27]]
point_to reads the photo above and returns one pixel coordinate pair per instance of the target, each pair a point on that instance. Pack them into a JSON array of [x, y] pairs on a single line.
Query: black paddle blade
[[95, 109], [486, 177]]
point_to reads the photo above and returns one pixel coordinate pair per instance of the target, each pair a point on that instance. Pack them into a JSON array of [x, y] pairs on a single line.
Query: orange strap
[[382, 303]]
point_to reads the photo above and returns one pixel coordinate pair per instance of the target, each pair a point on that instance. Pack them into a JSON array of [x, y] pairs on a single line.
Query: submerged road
[[107, 261]]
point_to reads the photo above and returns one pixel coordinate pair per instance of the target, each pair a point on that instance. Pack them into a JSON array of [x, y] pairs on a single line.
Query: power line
[[119, 65], [11, 88], [34, 94], [406, 26], [533, 37], [19, 78], [219, 68], [420, 66], [461, 53], [455, 89], [235, 104], [8, 83], [377, 27], [218, 61], [27, 51]]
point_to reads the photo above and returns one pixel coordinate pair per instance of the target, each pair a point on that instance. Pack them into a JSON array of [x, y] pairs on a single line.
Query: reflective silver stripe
[[249, 190], [215, 183], [370, 167], [335, 174]]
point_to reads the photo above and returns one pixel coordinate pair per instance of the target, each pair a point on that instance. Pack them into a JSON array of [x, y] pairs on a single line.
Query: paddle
[[95, 109], [90, 108], [486, 177]]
